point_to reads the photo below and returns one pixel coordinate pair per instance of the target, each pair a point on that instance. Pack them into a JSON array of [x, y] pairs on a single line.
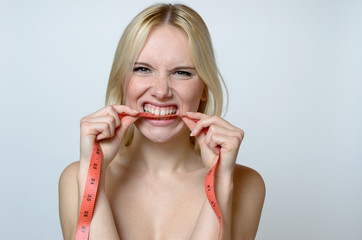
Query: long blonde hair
[[201, 50]]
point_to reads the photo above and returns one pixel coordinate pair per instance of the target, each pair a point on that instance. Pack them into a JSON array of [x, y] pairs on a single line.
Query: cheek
[[133, 91], [191, 96]]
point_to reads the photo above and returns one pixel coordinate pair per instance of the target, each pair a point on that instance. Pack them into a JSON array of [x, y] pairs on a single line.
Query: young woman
[[153, 170]]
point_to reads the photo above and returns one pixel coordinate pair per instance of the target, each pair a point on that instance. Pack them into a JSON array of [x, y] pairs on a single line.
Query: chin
[[161, 134]]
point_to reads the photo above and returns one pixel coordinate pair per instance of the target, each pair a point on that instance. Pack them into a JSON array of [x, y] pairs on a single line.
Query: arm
[[103, 225], [241, 202], [71, 187], [207, 226], [220, 138], [106, 127], [68, 201], [248, 200]]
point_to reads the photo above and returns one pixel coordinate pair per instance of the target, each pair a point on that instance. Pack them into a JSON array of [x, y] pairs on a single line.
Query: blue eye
[[141, 70], [183, 73]]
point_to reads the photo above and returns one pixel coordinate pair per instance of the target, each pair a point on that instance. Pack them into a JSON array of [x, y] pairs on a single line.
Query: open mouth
[[160, 113]]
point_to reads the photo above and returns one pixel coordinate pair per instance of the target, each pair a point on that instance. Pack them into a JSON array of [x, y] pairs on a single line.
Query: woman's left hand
[[221, 136]]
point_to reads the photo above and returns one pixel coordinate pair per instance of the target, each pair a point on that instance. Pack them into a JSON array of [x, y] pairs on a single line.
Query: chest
[[156, 208]]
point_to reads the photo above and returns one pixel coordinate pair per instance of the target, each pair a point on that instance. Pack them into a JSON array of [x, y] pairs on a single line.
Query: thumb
[[126, 122], [191, 123]]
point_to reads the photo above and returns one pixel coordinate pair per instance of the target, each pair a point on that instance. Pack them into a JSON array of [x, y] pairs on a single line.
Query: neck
[[177, 154]]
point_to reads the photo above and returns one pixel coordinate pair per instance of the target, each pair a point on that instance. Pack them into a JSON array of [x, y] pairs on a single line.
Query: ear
[[204, 95]]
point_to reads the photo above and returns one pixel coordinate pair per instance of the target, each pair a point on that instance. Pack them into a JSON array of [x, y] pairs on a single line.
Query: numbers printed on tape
[[89, 195], [210, 193], [91, 187]]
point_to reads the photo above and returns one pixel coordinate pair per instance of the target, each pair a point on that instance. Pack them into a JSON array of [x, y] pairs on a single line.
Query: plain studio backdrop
[[293, 70]]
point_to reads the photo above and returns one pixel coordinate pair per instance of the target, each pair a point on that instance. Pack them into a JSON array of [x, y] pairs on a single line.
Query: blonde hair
[[201, 50]]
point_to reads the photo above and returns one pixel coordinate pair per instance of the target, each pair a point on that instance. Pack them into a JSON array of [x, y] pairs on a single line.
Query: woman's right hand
[[106, 127]]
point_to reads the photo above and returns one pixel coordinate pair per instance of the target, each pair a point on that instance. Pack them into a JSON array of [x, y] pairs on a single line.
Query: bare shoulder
[[68, 178], [248, 180], [248, 200], [68, 200], [69, 171]]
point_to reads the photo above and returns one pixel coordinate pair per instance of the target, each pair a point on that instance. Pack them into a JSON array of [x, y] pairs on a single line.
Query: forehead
[[166, 45]]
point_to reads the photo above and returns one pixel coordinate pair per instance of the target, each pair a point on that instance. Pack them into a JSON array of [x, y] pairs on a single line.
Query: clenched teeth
[[160, 111]]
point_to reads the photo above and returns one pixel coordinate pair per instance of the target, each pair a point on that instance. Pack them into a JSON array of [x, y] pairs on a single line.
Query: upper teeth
[[161, 111]]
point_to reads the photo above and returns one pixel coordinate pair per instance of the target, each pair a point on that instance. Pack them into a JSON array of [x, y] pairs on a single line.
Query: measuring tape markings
[[90, 194], [91, 186]]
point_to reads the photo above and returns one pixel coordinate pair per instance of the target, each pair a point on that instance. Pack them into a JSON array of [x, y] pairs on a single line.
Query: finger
[[215, 129], [115, 110], [216, 141], [191, 118], [99, 130], [107, 111], [110, 120], [206, 122], [196, 115], [225, 142], [211, 132], [216, 132], [127, 121], [125, 110], [189, 123]]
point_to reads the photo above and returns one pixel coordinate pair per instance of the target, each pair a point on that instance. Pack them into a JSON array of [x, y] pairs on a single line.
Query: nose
[[161, 88]]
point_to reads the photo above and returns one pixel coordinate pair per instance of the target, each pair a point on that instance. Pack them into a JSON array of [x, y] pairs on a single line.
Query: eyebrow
[[174, 69], [143, 63]]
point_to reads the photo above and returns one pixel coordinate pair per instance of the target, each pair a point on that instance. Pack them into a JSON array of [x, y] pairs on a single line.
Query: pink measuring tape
[[91, 187]]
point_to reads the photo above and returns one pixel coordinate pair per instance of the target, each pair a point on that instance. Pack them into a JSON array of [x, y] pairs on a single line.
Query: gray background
[[293, 69]]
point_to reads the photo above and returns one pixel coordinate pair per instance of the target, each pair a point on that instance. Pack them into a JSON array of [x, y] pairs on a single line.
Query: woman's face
[[164, 81]]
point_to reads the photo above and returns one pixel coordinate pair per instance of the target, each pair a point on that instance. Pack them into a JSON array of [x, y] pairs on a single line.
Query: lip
[[161, 123], [159, 104]]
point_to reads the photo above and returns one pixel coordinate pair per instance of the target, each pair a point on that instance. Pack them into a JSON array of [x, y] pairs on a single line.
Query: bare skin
[[153, 189]]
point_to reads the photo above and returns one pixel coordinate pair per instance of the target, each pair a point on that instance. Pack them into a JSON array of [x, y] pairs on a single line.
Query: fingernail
[[192, 132], [135, 111]]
